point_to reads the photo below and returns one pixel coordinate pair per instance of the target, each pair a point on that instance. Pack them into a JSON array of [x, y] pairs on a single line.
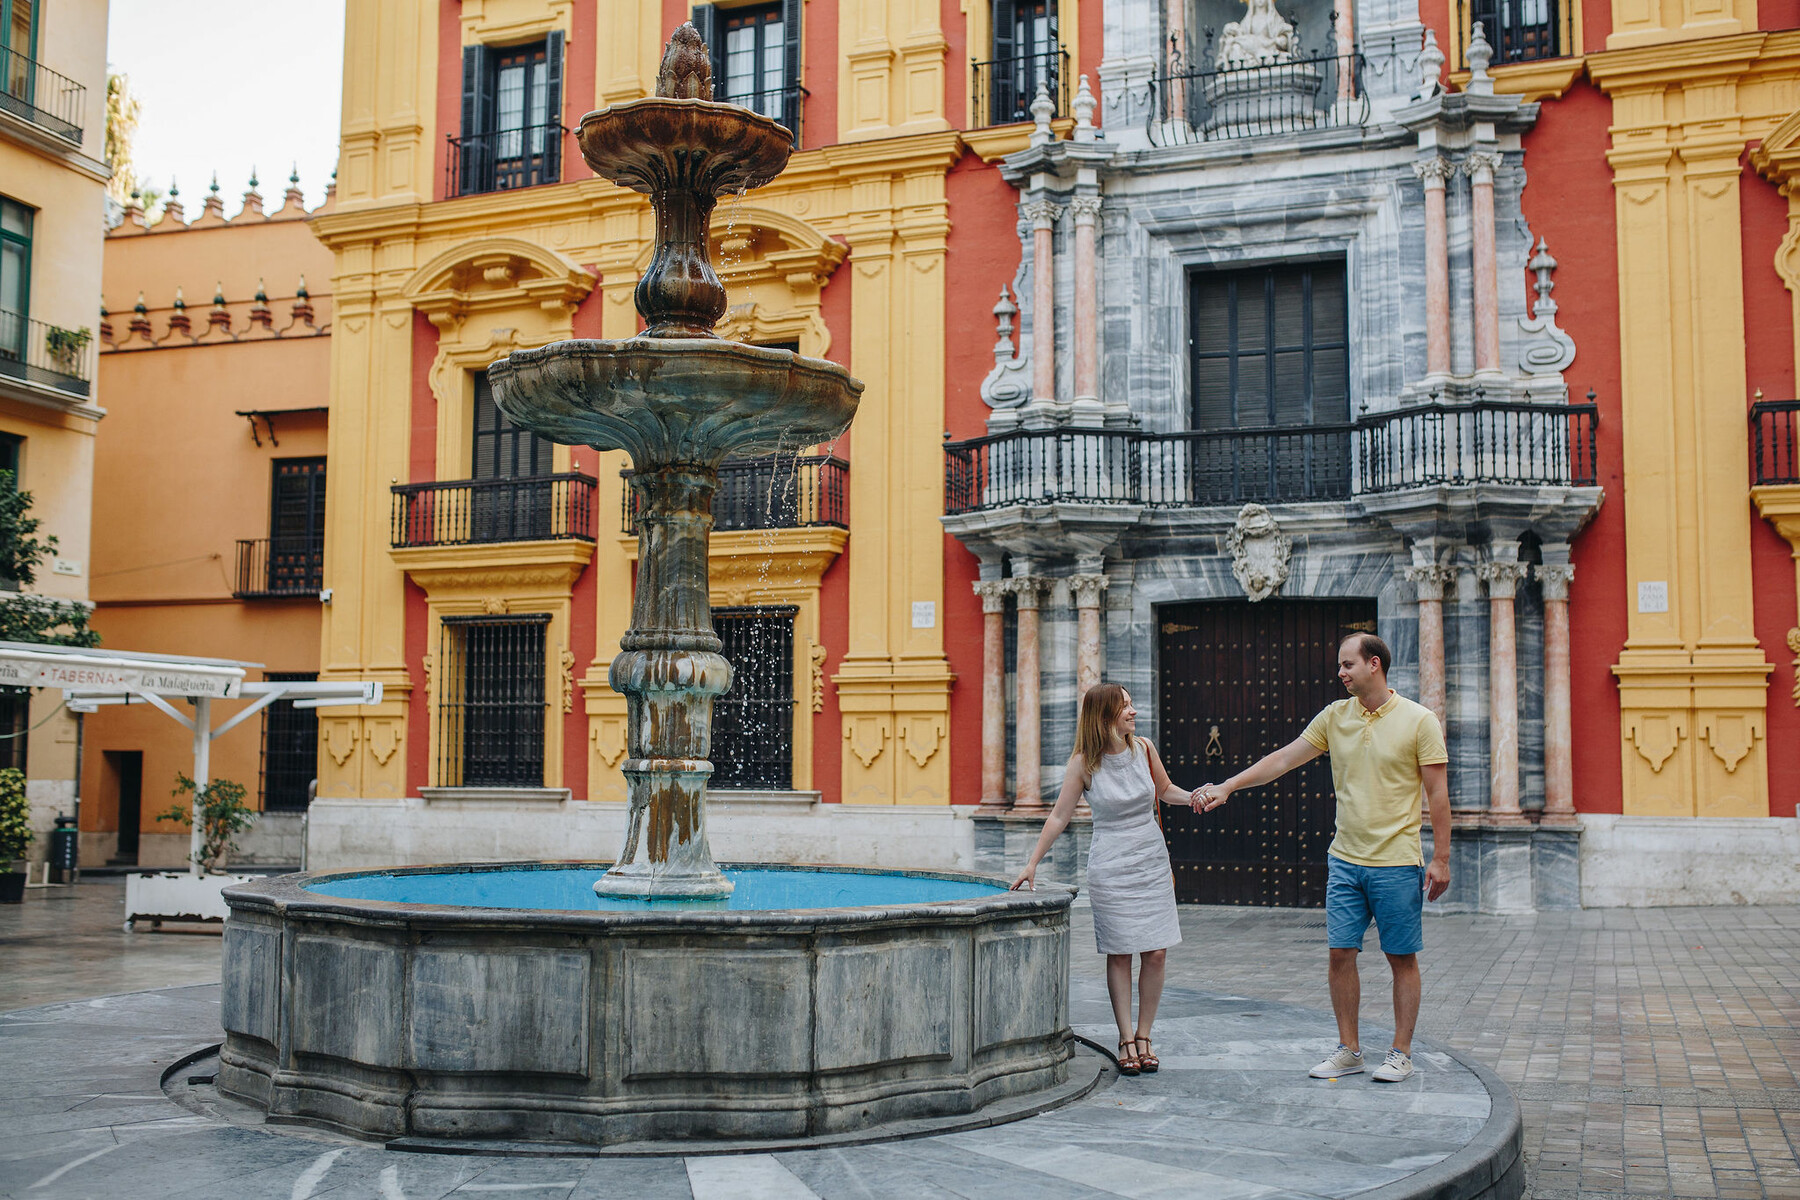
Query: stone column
[[1502, 572], [1043, 214], [1430, 579], [1028, 733], [1087, 303], [1481, 166], [1175, 59], [1559, 781], [993, 691], [1433, 172], [1087, 590]]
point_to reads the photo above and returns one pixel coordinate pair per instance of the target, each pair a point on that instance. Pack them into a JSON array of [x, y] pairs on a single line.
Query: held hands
[[1208, 797]]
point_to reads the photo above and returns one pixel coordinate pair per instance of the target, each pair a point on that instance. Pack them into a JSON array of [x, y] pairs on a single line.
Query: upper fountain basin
[[666, 400], [658, 144]]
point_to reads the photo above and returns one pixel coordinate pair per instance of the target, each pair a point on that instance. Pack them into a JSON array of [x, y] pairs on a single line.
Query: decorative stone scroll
[[1547, 350], [1259, 552]]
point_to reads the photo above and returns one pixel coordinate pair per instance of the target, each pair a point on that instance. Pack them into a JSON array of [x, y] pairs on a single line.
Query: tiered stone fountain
[[652, 1002]]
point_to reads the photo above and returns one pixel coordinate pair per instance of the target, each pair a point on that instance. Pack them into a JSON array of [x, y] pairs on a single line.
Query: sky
[[231, 87]]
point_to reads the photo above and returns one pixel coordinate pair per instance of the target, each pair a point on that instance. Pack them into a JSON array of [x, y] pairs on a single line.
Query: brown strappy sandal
[[1128, 1063], [1148, 1063]]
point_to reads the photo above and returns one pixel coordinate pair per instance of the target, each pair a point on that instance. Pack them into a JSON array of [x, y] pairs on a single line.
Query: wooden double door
[[1237, 680]]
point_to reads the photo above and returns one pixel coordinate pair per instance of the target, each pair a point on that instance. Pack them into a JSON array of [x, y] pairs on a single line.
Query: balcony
[[277, 568], [786, 104], [1005, 87], [1430, 446], [469, 512], [33, 92], [1775, 441], [500, 162], [770, 493], [47, 355], [1187, 108]]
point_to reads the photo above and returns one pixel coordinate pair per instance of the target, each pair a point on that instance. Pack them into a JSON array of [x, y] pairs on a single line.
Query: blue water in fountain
[[572, 888]]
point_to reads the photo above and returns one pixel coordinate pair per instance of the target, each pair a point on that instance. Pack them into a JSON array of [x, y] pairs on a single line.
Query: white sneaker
[[1343, 1061], [1396, 1069]]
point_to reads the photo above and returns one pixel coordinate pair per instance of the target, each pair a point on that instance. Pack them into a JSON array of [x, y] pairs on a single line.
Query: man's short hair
[[1369, 646]]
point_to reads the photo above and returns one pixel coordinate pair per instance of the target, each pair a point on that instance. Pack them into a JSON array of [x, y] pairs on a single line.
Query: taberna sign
[[99, 674]]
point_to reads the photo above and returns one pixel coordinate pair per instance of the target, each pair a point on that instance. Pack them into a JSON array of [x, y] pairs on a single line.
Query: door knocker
[[1213, 748]]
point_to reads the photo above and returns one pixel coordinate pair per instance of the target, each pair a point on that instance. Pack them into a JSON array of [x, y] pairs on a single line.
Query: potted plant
[[15, 833], [223, 813], [65, 346]]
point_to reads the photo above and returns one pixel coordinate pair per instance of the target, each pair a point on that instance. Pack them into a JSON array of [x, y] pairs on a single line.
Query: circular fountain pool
[[508, 1001]]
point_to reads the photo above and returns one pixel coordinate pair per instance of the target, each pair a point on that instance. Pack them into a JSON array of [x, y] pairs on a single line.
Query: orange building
[[218, 343]]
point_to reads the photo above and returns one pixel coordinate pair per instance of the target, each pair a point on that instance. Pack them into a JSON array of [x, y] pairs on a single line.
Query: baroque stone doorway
[[1236, 680]]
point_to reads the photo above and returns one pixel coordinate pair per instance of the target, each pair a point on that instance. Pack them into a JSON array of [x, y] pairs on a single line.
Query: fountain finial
[[686, 72]]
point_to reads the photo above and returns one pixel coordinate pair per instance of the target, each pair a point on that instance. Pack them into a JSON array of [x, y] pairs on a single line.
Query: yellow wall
[[65, 184]]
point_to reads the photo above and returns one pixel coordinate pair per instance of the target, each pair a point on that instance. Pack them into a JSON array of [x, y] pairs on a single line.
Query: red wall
[[421, 468], [983, 256], [819, 54], [1569, 200], [1769, 365], [449, 96], [834, 588]]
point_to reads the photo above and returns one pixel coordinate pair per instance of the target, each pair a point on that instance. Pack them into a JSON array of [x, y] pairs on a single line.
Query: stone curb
[[1491, 1166]]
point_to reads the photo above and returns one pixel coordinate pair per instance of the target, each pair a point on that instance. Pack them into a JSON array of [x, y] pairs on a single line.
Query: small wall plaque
[[1653, 596]]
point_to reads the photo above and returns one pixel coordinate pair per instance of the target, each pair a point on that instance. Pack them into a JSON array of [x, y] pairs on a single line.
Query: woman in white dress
[[1129, 880]]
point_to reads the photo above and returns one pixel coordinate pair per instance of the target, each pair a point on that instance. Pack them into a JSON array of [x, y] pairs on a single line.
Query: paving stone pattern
[[1653, 1052]]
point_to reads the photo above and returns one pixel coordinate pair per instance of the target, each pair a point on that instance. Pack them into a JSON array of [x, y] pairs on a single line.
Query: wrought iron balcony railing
[[270, 568], [33, 92], [460, 512], [1005, 87], [1289, 97], [504, 160], [786, 104], [1435, 445], [770, 493], [1486, 442], [1775, 441], [1525, 30], [46, 354]]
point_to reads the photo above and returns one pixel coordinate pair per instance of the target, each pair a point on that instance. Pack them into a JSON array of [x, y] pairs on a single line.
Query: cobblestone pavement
[[1654, 1052]]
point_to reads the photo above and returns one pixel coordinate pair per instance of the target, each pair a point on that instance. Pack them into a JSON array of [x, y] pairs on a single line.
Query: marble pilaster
[[1481, 167], [1433, 173], [1043, 215], [993, 691], [1086, 210], [1430, 578], [1466, 689], [1559, 780], [1502, 572], [1089, 661], [1028, 791]]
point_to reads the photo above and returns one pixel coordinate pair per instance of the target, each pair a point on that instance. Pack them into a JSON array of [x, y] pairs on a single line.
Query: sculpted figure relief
[[1261, 38]]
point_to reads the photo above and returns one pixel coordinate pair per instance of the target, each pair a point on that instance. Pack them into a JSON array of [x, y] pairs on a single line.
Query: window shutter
[[790, 25], [477, 116], [706, 22], [1003, 73], [553, 98]]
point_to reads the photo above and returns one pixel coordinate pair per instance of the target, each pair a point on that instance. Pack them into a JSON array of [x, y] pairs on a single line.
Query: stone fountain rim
[[669, 348], [678, 103], [288, 896]]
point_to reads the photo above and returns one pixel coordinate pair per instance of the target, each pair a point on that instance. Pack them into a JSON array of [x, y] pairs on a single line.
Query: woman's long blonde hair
[[1100, 710]]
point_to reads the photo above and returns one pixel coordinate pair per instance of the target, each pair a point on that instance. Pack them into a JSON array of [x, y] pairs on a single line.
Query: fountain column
[[1559, 773], [1043, 214], [1502, 572], [1433, 173], [993, 691], [1028, 790], [1481, 166]]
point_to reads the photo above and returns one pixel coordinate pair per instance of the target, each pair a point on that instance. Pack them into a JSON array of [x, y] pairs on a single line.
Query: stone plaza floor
[[1653, 1053]]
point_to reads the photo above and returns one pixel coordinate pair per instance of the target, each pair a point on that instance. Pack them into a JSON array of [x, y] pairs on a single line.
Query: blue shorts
[[1394, 897]]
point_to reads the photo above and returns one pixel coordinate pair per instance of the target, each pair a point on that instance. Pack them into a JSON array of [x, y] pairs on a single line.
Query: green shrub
[[223, 813], [15, 816]]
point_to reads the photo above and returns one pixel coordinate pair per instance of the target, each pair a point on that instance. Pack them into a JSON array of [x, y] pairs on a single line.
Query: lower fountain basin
[[481, 1015]]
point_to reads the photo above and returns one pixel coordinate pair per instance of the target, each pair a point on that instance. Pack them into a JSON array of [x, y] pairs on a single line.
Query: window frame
[[283, 710], [455, 664], [710, 21], [24, 240], [475, 164], [311, 469], [1309, 347], [734, 763]]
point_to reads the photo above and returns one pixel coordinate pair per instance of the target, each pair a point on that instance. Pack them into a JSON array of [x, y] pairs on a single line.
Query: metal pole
[[202, 764]]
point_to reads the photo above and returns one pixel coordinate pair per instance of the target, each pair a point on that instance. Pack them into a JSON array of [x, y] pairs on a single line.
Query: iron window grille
[[291, 560], [491, 704], [756, 58], [753, 723], [512, 133], [290, 749], [1522, 30]]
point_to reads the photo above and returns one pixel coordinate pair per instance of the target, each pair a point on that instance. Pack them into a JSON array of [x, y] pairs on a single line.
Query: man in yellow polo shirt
[[1385, 750]]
